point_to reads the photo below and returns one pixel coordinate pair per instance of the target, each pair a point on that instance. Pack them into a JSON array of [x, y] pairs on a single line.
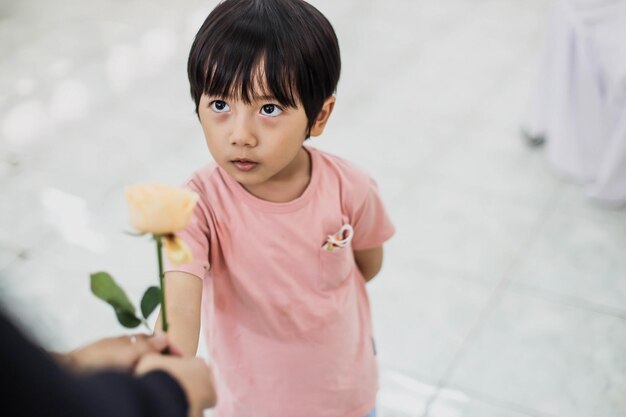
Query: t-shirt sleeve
[[197, 237], [372, 226]]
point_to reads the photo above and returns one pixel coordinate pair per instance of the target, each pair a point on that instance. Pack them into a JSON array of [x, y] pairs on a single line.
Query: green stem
[[159, 242]]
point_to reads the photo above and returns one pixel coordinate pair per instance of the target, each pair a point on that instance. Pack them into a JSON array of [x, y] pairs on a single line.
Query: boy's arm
[[183, 296], [369, 262]]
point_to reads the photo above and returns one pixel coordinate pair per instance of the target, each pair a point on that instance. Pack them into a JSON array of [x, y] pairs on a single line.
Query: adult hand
[[192, 373], [121, 353]]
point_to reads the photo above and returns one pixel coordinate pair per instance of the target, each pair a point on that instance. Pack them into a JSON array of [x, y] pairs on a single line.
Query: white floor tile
[[557, 360], [462, 229], [418, 332], [579, 253], [456, 403]]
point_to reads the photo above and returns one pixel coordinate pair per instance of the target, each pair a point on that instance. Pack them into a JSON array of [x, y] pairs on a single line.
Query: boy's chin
[[247, 179]]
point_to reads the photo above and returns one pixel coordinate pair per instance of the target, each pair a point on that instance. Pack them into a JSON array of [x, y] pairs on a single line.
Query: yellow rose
[[159, 209]]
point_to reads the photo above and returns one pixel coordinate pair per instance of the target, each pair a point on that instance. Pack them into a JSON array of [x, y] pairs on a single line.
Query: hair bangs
[[236, 73]]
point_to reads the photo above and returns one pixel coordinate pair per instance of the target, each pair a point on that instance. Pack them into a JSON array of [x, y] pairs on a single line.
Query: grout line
[[507, 405], [567, 300]]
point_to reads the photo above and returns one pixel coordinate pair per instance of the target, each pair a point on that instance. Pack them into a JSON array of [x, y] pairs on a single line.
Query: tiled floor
[[503, 292]]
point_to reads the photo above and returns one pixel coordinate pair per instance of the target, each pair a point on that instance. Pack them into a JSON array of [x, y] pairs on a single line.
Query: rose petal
[[177, 250], [159, 209]]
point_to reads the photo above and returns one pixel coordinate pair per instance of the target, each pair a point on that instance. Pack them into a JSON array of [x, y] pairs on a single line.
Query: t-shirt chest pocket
[[336, 259]]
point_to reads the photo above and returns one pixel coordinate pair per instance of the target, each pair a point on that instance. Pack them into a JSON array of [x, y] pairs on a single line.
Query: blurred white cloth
[[579, 104]]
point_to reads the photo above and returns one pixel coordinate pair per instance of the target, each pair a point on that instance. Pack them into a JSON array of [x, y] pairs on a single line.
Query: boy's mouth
[[244, 164]]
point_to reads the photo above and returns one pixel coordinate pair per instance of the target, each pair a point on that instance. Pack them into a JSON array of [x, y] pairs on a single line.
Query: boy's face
[[258, 143]]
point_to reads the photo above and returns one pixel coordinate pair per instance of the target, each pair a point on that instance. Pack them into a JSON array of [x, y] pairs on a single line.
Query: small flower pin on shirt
[[340, 239]]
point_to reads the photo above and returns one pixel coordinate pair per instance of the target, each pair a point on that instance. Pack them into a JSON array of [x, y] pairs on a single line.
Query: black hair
[[288, 43]]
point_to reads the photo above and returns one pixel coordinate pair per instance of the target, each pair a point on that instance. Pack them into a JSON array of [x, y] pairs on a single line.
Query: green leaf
[[105, 288], [127, 319], [151, 299]]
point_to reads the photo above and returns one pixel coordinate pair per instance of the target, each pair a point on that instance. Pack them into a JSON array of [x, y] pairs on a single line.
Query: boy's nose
[[242, 133]]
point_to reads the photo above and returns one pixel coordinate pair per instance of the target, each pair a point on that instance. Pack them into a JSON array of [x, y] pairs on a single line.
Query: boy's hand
[[192, 373]]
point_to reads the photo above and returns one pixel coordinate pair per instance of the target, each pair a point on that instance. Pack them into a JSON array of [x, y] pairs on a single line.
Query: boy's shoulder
[[204, 178], [340, 165], [354, 180]]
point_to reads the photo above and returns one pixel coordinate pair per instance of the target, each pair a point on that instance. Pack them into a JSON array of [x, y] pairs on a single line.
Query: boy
[[284, 236]]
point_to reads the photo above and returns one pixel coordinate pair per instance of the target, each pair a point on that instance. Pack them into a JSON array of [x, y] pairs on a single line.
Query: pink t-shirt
[[287, 322]]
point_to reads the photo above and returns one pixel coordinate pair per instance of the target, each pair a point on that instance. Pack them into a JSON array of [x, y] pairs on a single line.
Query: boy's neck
[[290, 185]]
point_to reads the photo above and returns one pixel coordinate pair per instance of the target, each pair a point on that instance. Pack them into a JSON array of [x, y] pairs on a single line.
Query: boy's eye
[[271, 110], [219, 106]]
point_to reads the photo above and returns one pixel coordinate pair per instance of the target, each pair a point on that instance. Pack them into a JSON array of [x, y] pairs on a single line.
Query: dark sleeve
[[34, 385]]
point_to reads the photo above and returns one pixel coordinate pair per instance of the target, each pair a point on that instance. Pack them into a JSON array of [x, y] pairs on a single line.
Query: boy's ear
[[322, 117]]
